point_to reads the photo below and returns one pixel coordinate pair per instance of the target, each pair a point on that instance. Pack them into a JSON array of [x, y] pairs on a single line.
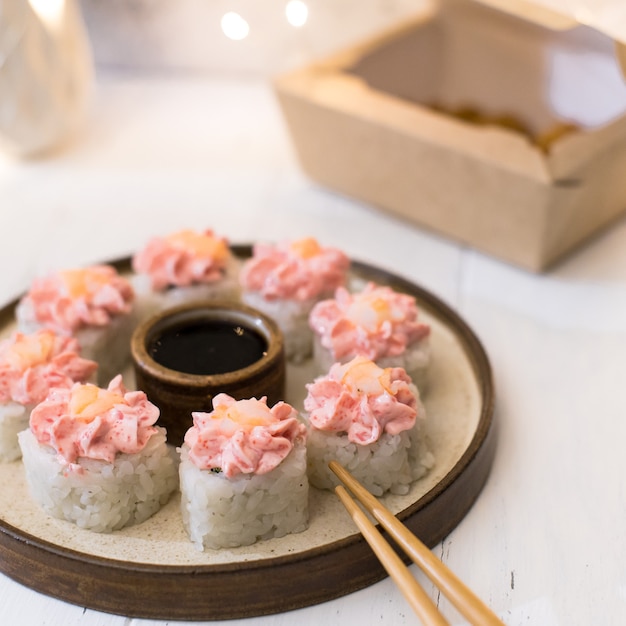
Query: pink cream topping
[[243, 436], [299, 270], [31, 365], [376, 322], [72, 299], [183, 258], [90, 422], [363, 400]]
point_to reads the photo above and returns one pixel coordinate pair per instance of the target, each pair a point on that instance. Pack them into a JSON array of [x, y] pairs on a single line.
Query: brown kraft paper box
[[479, 124]]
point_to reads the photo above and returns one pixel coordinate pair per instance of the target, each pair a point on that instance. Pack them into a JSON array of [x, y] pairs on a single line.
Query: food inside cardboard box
[[486, 67], [544, 140]]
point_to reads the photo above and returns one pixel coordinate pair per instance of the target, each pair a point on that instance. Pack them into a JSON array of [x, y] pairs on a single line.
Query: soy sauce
[[208, 347]]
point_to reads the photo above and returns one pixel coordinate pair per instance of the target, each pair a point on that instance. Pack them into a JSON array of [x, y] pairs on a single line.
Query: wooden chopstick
[[419, 600], [467, 603]]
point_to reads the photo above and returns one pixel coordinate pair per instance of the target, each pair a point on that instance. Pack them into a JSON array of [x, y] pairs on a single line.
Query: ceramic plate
[[152, 570]]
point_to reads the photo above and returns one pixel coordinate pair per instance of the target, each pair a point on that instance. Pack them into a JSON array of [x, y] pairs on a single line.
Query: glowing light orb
[[297, 13], [49, 11], [234, 26]]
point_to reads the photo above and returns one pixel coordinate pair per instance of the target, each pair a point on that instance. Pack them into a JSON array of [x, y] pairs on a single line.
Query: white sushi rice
[[415, 360], [13, 419], [391, 464], [101, 496], [292, 317], [220, 512], [149, 301], [108, 345]]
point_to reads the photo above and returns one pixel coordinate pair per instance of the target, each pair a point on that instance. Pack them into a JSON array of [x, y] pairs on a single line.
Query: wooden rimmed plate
[[153, 571]]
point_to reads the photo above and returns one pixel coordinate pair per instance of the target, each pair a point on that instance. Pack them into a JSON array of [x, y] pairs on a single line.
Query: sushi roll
[[92, 456], [94, 304], [243, 474], [30, 365], [286, 280], [378, 323], [184, 267], [370, 420]]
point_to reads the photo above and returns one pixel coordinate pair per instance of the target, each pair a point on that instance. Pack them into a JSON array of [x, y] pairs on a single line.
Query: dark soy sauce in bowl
[[184, 356], [207, 347]]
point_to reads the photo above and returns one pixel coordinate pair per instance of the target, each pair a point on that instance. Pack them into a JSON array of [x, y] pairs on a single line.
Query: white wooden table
[[544, 544]]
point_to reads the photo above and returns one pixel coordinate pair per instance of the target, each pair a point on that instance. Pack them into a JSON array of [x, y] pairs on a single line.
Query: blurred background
[[251, 36], [51, 50]]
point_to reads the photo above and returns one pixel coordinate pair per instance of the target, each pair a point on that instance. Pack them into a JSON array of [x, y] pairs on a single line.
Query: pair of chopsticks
[[467, 603]]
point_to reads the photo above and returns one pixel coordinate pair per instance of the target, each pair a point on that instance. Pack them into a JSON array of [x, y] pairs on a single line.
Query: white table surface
[[544, 544]]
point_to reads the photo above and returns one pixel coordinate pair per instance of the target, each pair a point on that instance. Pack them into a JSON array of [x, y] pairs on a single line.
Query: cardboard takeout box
[[498, 131]]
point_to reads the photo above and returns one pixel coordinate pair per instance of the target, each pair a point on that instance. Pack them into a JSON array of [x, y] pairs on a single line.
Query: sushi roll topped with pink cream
[[369, 419], [243, 474], [286, 280], [94, 457], [243, 436], [72, 299], [90, 422], [377, 322], [362, 400], [183, 258], [298, 270], [94, 304], [198, 264], [30, 365]]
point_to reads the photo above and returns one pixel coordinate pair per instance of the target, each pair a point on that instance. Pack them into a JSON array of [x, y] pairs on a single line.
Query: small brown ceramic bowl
[[185, 355]]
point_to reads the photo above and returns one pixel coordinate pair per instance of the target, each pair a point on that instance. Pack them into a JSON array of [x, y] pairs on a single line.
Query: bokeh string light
[[236, 27]]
